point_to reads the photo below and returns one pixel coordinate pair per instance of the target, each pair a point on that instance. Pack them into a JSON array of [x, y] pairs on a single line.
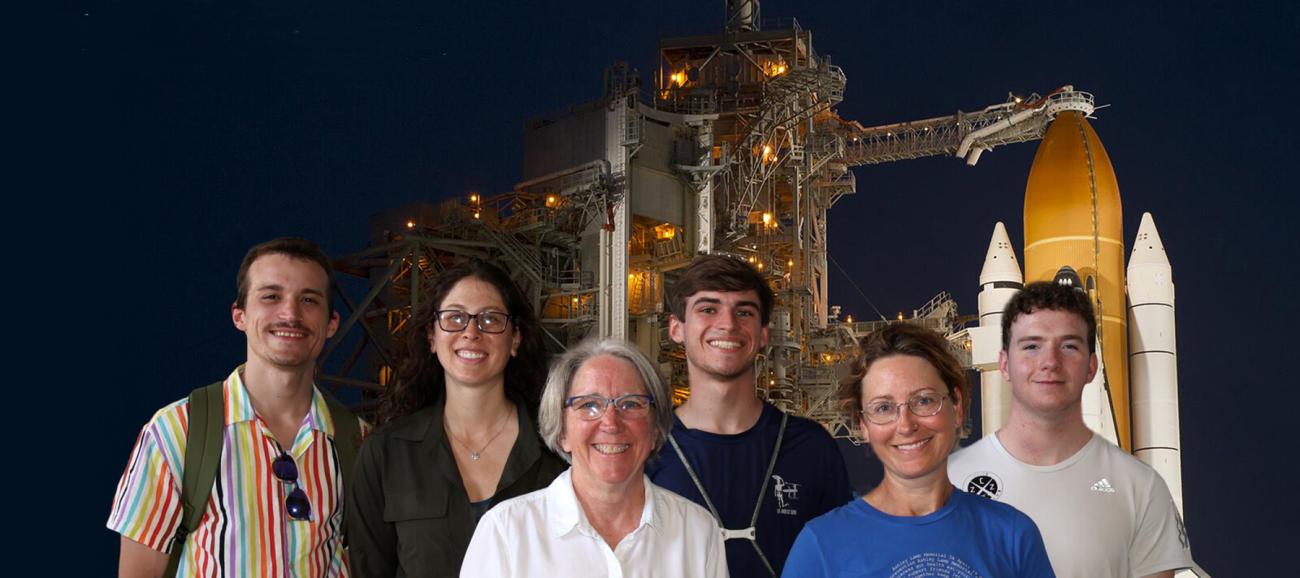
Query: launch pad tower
[[736, 149]]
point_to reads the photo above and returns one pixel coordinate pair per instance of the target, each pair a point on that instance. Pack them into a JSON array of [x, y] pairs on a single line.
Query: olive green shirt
[[408, 513]]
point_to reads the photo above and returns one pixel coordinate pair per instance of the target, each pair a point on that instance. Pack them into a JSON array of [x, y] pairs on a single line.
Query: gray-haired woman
[[607, 411]]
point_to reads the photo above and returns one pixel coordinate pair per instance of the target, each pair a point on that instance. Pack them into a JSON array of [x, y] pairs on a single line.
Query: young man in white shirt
[[1102, 512]]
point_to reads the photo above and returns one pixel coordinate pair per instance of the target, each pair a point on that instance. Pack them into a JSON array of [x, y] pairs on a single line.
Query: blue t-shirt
[[968, 537], [808, 481]]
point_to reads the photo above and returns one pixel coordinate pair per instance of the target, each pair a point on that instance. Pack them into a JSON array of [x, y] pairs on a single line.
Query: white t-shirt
[[1102, 512], [545, 533]]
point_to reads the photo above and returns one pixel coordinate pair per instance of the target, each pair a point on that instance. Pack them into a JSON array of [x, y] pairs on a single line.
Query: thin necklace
[[475, 455]]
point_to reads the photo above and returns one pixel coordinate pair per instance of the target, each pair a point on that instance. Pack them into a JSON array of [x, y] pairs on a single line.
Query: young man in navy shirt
[[762, 473]]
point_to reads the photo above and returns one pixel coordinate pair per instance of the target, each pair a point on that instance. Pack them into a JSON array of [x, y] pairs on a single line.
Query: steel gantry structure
[[738, 150]]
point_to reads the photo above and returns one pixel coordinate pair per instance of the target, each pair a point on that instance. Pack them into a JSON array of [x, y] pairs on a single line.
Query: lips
[[289, 332], [725, 344], [610, 449], [470, 355], [913, 446]]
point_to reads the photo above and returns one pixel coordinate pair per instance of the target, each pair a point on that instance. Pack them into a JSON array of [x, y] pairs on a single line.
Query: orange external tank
[[1073, 217]]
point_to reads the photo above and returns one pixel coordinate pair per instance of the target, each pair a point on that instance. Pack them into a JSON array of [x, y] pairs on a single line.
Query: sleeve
[[1034, 562], [488, 555], [372, 542], [147, 504], [805, 559], [1160, 541]]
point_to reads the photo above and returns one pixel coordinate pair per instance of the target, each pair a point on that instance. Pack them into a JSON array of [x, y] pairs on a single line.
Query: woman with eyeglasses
[[905, 391], [457, 435], [605, 410]]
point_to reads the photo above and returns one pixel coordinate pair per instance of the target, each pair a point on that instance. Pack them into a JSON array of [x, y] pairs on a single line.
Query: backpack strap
[[207, 418], [347, 436]]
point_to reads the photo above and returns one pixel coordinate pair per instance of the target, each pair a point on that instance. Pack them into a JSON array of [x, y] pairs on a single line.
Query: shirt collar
[[564, 514], [239, 405]]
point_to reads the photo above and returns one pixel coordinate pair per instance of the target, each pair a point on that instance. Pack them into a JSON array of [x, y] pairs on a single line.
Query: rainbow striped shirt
[[245, 530]]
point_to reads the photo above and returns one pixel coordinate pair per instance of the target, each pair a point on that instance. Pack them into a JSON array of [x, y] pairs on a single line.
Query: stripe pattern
[[245, 530]]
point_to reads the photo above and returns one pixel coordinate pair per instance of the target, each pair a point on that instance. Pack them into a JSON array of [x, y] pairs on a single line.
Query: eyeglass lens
[[486, 321], [593, 407], [296, 503]]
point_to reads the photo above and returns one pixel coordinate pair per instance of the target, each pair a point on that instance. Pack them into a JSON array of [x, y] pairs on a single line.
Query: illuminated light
[[473, 197], [789, 263], [552, 200], [677, 78], [849, 319], [767, 218], [771, 382], [476, 214], [665, 231], [760, 266], [575, 299], [751, 258], [410, 224], [900, 315]]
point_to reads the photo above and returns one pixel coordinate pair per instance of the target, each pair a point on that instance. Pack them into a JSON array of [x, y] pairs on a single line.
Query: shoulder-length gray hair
[[550, 416]]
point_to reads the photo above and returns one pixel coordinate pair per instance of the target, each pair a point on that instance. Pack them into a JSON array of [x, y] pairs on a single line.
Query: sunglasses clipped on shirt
[[296, 503]]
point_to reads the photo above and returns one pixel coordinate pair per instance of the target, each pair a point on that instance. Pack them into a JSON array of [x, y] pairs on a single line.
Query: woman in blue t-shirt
[[906, 392]]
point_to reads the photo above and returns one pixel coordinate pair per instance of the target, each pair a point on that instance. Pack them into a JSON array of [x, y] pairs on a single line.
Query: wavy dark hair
[[1049, 296], [420, 377]]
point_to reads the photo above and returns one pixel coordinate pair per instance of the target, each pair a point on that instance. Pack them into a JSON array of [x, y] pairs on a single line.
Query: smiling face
[[722, 333], [910, 448], [472, 358], [610, 451], [285, 316], [1048, 363]]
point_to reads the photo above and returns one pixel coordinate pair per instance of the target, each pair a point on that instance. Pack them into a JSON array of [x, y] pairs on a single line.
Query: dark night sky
[[200, 128]]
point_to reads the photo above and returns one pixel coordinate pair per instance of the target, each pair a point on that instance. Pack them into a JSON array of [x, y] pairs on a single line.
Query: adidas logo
[[1103, 486]]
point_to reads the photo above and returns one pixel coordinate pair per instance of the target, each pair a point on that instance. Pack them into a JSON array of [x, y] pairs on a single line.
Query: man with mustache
[[275, 506], [761, 472]]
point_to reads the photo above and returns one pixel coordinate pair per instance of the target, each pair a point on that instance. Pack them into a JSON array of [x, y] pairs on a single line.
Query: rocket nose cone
[[1148, 249], [1071, 189], [1000, 261]]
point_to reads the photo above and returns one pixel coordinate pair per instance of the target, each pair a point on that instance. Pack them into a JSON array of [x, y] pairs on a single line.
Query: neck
[[475, 409], [721, 407], [280, 395], [918, 497], [614, 510], [1043, 440]]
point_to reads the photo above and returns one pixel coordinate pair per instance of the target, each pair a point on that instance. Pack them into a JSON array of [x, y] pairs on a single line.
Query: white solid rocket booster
[[1153, 369], [1000, 280]]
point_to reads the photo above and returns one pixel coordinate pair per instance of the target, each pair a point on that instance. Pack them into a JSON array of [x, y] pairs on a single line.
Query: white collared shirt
[[546, 534]]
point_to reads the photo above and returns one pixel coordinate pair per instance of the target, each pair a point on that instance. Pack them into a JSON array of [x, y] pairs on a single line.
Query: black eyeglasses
[[452, 320], [297, 505]]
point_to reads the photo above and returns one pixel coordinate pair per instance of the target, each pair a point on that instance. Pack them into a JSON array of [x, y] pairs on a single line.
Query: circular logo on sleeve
[[986, 484]]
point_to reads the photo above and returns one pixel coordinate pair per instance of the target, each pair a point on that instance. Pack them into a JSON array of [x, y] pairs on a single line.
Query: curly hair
[[1045, 295], [900, 339], [421, 380]]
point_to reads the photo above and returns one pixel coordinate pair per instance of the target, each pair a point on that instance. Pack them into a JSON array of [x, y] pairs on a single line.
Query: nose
[[1051, 358], [471, 329], [906, 421], [612, 420], [291, 310]]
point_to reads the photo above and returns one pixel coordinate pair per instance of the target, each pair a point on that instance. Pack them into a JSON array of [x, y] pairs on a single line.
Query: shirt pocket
[[428, 541]]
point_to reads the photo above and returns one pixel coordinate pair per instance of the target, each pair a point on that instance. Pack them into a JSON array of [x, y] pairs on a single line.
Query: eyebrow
[[716, 301], [278, 287]]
